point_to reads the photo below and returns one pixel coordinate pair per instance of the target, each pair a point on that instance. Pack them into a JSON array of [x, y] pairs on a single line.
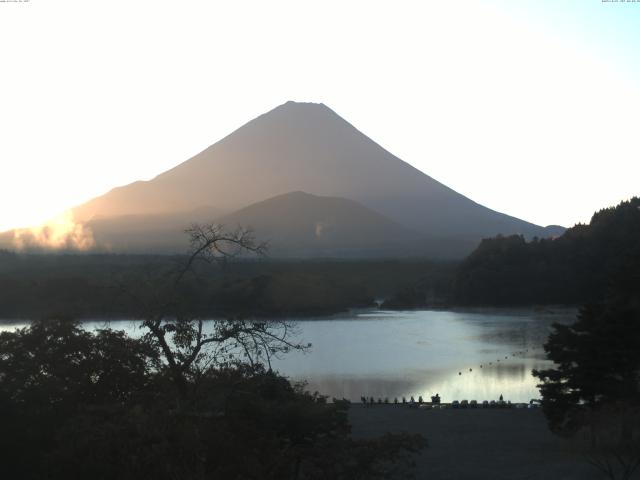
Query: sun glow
[[61, 232]]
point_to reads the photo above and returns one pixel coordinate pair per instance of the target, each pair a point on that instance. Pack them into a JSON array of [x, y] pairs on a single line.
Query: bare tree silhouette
[[189, 344]]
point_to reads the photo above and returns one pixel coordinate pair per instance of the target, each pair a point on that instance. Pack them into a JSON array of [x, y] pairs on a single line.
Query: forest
[[571, 269], [101, 286]]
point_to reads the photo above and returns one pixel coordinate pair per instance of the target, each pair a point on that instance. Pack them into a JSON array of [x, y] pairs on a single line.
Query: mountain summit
[[308, 147]]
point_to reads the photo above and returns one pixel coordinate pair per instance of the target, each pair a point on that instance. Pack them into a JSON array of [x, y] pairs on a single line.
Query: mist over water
[[393, 354]]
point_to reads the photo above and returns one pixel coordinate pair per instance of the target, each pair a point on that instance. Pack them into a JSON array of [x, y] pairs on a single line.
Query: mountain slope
[[295, 224], [147, 233], [299, 224], [308, 147]]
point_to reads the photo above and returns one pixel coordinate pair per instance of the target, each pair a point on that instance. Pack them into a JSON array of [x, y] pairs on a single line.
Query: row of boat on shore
[[456, 404]]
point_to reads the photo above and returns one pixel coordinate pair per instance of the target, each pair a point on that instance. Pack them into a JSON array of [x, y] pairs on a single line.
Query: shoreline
[[329, 314]]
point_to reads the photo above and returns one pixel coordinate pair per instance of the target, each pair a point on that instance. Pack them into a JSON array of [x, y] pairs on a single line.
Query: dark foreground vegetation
[[594, 387], [77, 404]]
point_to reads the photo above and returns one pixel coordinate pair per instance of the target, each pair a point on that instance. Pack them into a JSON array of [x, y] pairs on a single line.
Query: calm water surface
[[394, 354]]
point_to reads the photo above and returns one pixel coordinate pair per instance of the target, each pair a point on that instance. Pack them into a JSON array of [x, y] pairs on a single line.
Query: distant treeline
[[574, 268], [571, 269], [116, 286]]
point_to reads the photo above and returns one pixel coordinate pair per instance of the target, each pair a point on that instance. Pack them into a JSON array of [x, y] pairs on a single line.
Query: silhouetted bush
[[100, 405]]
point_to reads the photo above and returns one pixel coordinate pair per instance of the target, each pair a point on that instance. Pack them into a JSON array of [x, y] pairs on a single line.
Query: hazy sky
[[528, 107]]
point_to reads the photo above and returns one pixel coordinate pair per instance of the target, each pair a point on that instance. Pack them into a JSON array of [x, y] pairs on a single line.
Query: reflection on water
[[477, 354], [458, 354]]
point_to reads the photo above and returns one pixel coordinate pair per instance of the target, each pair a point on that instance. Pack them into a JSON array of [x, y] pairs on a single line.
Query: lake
[[461, 354]]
